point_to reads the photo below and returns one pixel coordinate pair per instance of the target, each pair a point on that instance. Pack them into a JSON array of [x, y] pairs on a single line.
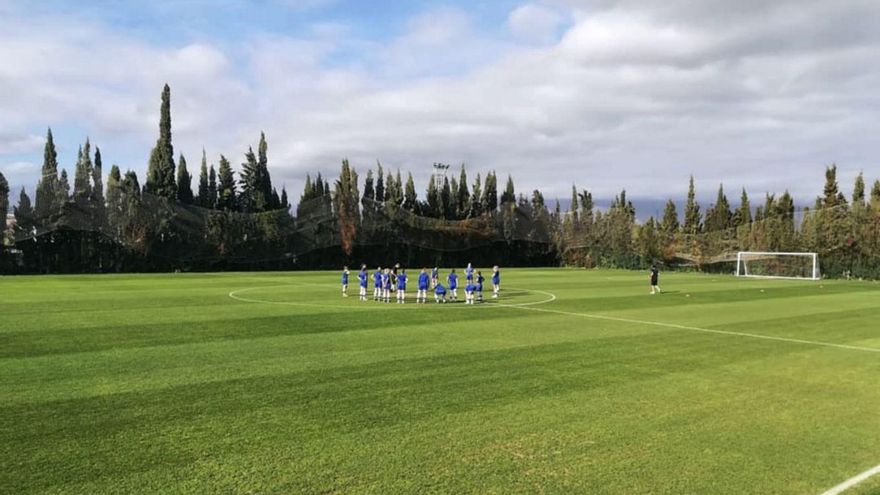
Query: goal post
[[792, 266]]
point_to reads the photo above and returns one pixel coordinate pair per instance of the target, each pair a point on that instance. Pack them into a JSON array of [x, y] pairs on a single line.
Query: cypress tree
[[648, 242], [184, 182], [587, 206], [204, 199], [285, 202], [82, 177], [63, 191], [308, 190], [276, 201], [669, 224], [369, 191], [490, 193], [225, 186], [718, 217], [409, 194], [477, 198], [445, 198], [345, 203], [252, 197], [398, 189], [432, 198], [390, 194], [573, 208], [47, 188], [114, 181], [25, 221], [743, 215], [380, 183], [875, 194], [212, 188], [691, 212], [131, 187], [98, 180], [160, 171], [453, 198], [858, 197], [508, 196], [319, 186], [785, 216], [831, 194], [464, 196], [4, 207], [114, 199], [308, 194]]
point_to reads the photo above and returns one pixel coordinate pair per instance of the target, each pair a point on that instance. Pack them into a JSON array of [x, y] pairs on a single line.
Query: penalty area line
[[699, 329], [855, 480]]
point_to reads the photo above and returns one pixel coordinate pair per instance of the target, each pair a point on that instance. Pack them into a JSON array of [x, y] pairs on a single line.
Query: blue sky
[[608, 94]]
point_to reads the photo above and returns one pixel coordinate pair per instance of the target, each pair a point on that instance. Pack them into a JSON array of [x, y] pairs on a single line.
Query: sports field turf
[[166, 384]]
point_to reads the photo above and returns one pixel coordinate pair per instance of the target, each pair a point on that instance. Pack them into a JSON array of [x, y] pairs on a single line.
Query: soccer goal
[[795, 266]]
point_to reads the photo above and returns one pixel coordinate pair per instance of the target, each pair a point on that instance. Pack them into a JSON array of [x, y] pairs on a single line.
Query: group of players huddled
[[394, 281]]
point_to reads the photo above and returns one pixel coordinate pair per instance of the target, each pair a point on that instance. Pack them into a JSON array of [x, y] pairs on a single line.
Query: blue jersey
[[423, 281], [469, 288], [377, 279], [363, 278], [440, 290], [435, 273], [386, 280], [453, 281], [469, 273], [344, 278], [401, 281], [496, 277]]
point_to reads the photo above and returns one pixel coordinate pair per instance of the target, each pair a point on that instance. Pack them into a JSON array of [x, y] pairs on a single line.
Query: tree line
[[238, 220]]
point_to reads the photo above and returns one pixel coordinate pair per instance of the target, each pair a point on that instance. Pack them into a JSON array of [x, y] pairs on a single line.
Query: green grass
[[166, 384]]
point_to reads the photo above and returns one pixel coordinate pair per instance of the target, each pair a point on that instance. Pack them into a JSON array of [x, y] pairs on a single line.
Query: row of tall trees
[[158, 226], [844, 232], [237, 219]]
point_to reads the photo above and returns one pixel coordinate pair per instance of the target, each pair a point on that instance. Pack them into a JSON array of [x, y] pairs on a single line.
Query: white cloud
[[535, 23], [631, 95], [12, 143]]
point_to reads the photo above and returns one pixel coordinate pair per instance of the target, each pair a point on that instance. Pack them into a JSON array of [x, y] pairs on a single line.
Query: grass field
[[583, 383]]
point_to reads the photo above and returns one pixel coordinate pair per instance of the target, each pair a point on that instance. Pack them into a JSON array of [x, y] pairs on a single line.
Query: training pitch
[[573, 382]]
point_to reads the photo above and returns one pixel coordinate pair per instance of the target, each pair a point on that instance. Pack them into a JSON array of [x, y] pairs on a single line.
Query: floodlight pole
[[439, 174]]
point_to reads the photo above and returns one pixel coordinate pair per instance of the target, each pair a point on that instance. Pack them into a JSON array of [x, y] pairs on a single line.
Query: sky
[[607, 94]]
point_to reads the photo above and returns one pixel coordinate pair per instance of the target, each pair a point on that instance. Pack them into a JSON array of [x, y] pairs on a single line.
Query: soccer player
[[435, 276], [479, 286], [469, 273], [362, 277], [394, 276], [344, 281], [439, 293], [452, 280], [377, 284], [423, 287], [469, 293], [386, 285], [496, 281], [655, 276], [401, 287]]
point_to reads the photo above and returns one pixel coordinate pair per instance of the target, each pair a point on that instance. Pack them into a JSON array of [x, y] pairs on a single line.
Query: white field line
[[235, 294], [855, 480], [698, 329]]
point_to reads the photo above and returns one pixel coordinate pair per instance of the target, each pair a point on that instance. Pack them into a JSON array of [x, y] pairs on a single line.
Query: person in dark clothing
[[655, 277]]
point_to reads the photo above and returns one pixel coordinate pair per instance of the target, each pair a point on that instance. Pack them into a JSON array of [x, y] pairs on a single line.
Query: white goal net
[[797, 266]]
